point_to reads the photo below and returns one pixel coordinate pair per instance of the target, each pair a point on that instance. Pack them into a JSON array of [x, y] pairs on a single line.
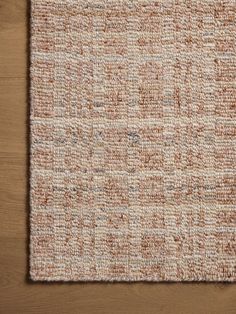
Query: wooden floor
[[17, 294]]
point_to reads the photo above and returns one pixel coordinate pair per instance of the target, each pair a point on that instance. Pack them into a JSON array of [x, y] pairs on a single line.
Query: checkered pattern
[[133, 140]]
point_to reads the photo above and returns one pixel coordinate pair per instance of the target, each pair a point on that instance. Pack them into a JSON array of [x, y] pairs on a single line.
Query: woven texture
[[133, 140]]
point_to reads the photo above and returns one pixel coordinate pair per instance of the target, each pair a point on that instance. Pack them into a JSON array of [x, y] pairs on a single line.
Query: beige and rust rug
[[133, 140]]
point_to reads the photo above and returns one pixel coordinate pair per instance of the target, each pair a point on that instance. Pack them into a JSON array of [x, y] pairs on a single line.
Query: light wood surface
[[17, 294]]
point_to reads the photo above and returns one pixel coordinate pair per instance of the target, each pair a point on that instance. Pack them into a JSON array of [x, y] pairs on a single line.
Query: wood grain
[[17, 294]]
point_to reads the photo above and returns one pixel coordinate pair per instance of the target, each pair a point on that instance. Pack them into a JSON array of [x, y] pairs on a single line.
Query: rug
[[133, 140]]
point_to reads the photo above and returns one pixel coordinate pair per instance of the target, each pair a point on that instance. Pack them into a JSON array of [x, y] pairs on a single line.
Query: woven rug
[[133, 140]]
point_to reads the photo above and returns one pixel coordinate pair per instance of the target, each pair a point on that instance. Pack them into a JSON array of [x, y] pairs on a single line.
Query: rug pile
[[133, 140]]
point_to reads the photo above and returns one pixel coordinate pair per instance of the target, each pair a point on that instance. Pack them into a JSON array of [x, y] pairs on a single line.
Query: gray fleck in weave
[[133, 140]]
